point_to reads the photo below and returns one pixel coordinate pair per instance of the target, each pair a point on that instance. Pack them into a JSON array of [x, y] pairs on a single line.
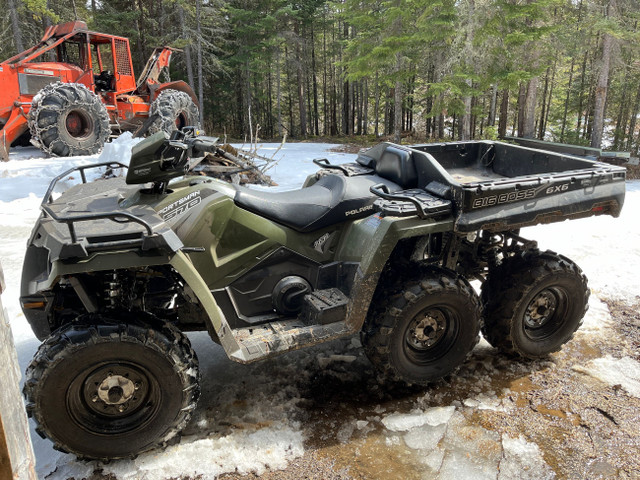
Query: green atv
[[117, 270]]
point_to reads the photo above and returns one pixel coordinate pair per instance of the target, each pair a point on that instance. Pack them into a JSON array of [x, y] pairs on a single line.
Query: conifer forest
[[559, 70]]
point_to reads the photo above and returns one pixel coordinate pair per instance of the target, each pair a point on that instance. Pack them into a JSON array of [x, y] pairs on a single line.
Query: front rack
[[117, 217]]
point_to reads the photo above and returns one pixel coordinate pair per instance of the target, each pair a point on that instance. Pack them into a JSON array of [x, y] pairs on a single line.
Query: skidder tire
[[106, 390], [68, 119], [533, 304], [175, 110], [424, 329]]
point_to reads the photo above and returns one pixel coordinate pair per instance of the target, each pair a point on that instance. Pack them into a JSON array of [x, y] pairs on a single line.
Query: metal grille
[[123, 66], [32, 84]]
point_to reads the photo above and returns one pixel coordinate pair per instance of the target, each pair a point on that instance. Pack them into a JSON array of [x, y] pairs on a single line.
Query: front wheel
[[423, 330], [107, 390], [533, 303]]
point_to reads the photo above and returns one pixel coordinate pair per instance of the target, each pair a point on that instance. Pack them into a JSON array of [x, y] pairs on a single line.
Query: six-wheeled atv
[[116, 270]]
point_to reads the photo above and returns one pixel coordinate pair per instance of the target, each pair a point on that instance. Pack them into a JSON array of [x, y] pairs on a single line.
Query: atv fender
[[377, 237], [118, 260]]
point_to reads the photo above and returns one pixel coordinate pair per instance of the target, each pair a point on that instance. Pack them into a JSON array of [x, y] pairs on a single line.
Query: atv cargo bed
[[498, 186]]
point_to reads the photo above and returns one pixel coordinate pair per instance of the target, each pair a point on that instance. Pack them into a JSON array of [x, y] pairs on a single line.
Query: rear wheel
[[423, 329], [533, 303], [174, 110], [68, 119], [107, 390]]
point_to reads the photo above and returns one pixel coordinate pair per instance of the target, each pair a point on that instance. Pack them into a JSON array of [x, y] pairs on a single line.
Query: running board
[[256, 343]]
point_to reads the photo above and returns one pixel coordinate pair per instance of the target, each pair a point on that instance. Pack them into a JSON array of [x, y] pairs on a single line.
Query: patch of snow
[[598, 317], [401, 422], [623, 371], [244, 452], [471, 451], [522, 460], [425, 437]]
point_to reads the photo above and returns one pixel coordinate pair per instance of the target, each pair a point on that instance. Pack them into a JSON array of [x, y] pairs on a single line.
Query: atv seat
[[332, 199]]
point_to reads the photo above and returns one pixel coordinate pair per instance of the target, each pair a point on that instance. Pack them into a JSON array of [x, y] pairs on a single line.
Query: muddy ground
[[583, 427], [498, 417]]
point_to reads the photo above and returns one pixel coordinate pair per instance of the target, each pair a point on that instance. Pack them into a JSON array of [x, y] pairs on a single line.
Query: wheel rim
[[114, 398], [430, 335], [545, 313], [78, 124], [181, 120]]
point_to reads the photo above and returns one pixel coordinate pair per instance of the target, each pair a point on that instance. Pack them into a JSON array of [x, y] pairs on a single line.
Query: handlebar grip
[[205, 144]]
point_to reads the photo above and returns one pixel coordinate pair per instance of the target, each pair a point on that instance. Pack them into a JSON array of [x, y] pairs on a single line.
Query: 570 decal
[[515, 196], [180, 206]]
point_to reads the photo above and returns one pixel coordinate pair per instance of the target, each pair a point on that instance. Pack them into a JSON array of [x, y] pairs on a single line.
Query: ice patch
[[522, 460], [399, 422], [425, 437], [615, 371], [485, 402], [598, 318], [244, 452]]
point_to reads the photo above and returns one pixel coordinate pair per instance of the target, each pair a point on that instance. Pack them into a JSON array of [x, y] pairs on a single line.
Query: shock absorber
[[112, 289], [490, 248]]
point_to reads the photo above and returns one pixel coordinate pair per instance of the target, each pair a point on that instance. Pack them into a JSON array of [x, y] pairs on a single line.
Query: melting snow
[[398, 422], [615, 371]]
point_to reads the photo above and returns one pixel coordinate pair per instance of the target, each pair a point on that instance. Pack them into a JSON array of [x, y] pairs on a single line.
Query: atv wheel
[[425, 329], [106, 390], [175, 110], [68, 119], [533, 303]]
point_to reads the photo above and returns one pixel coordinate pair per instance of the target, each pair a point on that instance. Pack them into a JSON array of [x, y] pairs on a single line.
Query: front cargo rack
[[77, 246]]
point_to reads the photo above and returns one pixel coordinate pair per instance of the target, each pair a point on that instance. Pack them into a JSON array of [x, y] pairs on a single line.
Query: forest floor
[[583, 428]]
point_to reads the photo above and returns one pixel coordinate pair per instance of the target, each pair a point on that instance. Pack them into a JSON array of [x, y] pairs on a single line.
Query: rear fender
[[370, 242], [177, 85]]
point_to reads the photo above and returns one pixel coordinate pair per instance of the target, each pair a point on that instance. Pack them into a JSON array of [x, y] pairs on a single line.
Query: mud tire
[[174, 110], [533, 303], [69, 388], [445, 301], [68, 119]]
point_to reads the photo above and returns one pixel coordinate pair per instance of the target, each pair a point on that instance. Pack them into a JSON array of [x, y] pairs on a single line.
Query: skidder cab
[[117, 270]]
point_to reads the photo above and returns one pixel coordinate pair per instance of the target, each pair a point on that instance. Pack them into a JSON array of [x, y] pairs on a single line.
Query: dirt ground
[[584, 428]]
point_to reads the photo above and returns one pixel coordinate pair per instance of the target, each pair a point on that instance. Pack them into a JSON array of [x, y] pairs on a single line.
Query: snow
[[253, 428], [623, 371], [522, 460], [403, 422]]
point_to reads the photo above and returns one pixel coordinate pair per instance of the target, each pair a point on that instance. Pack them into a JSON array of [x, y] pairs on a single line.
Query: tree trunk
[[397, 102], [15, 25], [603, 81], [200, 77], [278, 91], [541, 130], [465, 121], [316, 115], [504, 113], [376, 108], [529, 129], [365, 119], [566, 100], [300, 90], [632, 122], [187, 49], [491, 121], [522, 100]]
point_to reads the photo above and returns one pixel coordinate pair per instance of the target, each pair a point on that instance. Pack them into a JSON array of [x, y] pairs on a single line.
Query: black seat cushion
[[332, 199]]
